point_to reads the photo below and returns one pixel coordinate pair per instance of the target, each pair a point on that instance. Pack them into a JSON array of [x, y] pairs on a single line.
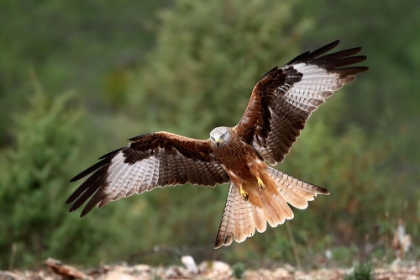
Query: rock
[[215, 268], [189, 263], [7, 275], [289, 267], [175, 272], [142, 268], [281, 273]]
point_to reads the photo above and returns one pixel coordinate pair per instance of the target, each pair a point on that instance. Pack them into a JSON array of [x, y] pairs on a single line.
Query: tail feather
[[292, 197], [259, 218], [271, 215], [241, 222], [226, 228], [241, 218], [276, 210], [296, 184], [249, 220], [286, 212], [296, 192]]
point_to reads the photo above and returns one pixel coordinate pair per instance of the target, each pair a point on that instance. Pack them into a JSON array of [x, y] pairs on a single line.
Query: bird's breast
[[237, 157]]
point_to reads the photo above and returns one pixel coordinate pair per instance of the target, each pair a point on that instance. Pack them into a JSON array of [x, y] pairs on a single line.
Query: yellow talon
[[244, 194], [261, 183]]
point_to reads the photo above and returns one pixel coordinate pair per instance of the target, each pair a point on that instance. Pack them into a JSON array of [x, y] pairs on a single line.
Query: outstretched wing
[[148, 161], [282, 101]]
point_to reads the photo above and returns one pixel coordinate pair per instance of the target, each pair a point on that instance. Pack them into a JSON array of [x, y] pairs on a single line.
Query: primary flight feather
[[280, 104]]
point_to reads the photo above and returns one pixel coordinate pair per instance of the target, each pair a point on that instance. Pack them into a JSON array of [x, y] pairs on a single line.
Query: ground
[[55, 269]]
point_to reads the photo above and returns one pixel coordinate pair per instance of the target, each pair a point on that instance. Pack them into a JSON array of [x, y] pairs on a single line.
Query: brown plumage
[[280, 104]]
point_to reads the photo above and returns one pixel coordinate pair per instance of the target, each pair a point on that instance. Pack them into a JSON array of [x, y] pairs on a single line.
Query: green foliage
[[362, 271], [344, 254], [82, 45], [33, 174], [238, 270]]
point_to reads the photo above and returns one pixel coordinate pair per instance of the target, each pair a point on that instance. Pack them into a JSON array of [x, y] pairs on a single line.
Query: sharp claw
[[261, 183], [244, 194]]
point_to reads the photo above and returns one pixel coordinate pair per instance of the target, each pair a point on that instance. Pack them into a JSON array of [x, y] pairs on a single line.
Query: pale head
[[220, 135]]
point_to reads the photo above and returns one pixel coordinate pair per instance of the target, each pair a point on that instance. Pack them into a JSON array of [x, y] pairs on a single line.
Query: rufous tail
[[241, 218]]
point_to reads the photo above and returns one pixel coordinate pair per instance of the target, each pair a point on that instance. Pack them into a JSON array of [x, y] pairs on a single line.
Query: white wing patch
[[316, 85], [159, 170]]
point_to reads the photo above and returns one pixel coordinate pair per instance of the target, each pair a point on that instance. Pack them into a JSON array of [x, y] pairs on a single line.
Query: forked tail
[[241, 218]]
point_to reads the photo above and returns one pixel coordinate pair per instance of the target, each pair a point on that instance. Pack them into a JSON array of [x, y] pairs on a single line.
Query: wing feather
[[284, 98], [148, 161]]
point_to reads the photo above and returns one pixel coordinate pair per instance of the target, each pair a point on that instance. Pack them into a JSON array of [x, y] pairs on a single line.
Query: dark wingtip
[[103, 160], [363, 69], [310, 55], [89, 170], [355, 50], [359, 58], [73, 208], [353, 70], [325, 48], [68, 201], [323, 191], [335, 43], [82, 214], [218, 243], [76, 178]]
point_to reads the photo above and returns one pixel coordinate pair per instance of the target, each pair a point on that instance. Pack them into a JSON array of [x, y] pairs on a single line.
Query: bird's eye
[[222, 136], [212, 139]]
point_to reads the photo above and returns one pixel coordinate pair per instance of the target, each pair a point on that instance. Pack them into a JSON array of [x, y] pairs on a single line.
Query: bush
[[361, 272], [34, 186]]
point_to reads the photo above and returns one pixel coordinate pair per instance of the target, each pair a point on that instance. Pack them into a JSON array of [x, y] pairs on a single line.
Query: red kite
[[280, 104]]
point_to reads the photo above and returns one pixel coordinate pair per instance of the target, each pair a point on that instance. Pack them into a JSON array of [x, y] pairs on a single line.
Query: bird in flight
[[241, 156]]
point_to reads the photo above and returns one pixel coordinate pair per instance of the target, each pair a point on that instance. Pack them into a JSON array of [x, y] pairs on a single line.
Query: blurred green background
[[77, 78]]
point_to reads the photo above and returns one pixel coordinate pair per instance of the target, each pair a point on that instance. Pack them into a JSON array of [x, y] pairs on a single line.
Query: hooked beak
[[217, 141]]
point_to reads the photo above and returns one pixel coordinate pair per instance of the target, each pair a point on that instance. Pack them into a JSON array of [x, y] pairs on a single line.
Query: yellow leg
[[261, 183], [244, 194]]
